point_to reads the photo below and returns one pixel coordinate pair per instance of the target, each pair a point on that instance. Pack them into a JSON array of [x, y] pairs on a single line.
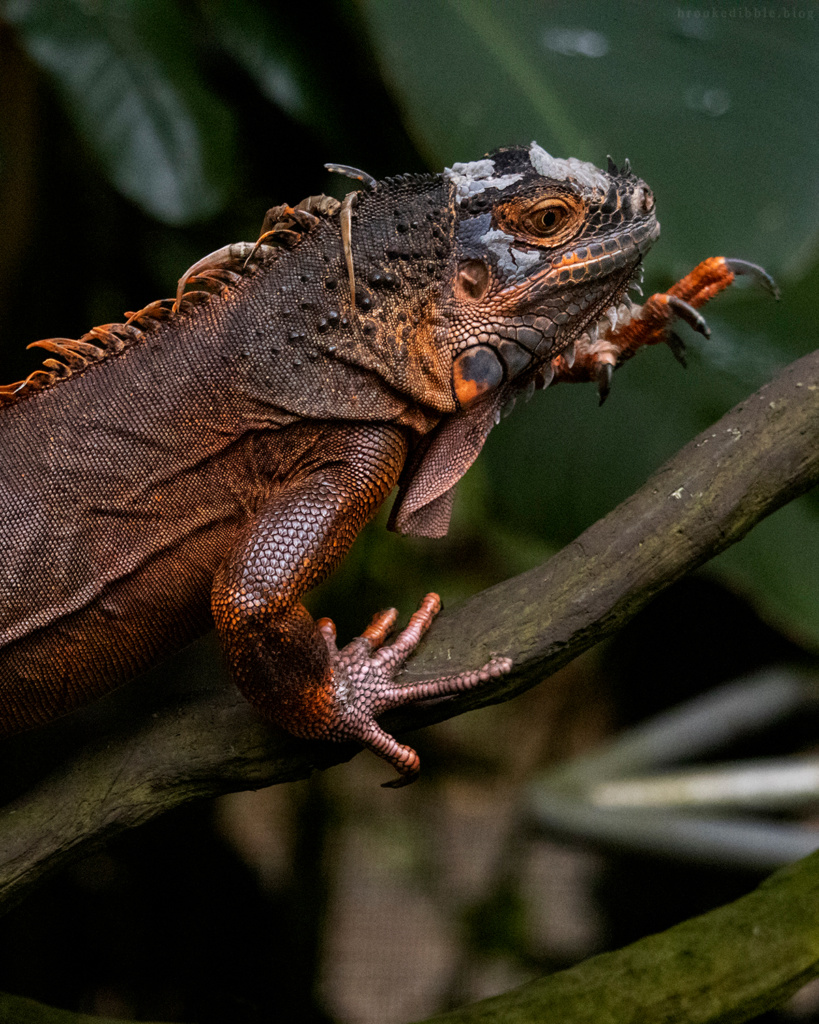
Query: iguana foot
[[625, 328], [364, 687]]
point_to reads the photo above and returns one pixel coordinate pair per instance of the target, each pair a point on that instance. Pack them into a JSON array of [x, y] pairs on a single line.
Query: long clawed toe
[[677, 346], [702, 284], [655, 322], [604, 375], [685, 311]]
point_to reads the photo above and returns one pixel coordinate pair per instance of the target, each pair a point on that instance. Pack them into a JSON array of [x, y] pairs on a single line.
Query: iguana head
[[544, 248]]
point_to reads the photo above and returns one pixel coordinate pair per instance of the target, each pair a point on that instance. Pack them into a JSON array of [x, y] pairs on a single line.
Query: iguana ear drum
[[475, 372], [471, 280]]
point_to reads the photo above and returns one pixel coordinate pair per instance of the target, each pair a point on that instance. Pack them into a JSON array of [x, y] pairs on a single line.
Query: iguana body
[[215, 458]]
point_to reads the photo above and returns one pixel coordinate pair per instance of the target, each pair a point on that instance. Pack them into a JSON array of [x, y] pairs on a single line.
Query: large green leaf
[[127, 70], [718, 111], [716, 107]]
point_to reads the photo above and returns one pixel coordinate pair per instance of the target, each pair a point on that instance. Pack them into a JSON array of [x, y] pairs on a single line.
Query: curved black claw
[[677, 346], [603, 376], [685, 311], [760, 276]]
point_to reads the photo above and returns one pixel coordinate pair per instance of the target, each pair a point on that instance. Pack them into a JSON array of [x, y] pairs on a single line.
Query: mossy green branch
[[17, 1010], [724, 967]]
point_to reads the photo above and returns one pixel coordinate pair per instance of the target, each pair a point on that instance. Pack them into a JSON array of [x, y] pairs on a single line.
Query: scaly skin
[[213, 458]]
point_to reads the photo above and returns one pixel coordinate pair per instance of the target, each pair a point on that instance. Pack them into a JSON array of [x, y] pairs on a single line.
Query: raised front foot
[[626, 328], [364, 687]]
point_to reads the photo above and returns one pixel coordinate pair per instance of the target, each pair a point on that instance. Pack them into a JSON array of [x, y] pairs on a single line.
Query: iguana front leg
[[286, 664], [633, 327]]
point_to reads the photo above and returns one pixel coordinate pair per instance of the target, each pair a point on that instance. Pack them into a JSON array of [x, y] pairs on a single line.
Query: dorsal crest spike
[[367, 180], [213, 263], [212, 276], [345, 219]]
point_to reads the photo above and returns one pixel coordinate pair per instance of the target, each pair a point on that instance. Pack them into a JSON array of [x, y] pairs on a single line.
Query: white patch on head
[[515, 263], [470, 179], [575, 170]]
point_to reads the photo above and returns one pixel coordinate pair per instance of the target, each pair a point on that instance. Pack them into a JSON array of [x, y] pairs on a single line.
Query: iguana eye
[[545, 220], [549, 219]]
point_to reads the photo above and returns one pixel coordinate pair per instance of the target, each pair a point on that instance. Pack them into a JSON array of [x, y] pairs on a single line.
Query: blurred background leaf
[[283, 68], [128, 73]]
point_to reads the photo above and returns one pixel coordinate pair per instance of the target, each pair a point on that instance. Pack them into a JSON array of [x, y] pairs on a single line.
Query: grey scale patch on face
[[515, 263], [579, 171], [475, 177]]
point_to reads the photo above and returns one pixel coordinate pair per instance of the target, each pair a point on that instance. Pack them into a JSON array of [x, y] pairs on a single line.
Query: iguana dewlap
[[213, 458]]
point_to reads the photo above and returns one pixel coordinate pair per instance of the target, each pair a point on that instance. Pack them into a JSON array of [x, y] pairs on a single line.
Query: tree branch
[[18, 1010], [727, 966], [759, 456]]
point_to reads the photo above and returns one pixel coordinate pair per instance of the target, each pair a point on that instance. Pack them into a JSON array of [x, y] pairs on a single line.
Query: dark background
[[136, 135]]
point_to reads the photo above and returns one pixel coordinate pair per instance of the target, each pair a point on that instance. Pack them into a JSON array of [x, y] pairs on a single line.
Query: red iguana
[[214, 457]]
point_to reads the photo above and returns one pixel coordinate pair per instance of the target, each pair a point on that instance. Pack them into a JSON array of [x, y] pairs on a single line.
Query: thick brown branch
[[759, 456]]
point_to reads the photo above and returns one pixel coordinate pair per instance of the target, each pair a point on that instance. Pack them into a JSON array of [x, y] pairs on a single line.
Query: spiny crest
[[211, 277]]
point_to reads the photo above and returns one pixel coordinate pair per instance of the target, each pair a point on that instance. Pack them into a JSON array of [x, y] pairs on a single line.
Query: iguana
[[213, 458]]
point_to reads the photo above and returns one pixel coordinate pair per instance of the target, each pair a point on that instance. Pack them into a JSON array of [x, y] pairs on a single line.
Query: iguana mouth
[[605, 257], [614, 309]]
